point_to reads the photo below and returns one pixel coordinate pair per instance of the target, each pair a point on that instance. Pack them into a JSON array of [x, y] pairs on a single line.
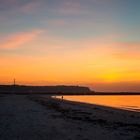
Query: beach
[[40, 117]]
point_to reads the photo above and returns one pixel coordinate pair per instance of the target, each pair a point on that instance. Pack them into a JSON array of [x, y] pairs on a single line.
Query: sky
[[94, 43]]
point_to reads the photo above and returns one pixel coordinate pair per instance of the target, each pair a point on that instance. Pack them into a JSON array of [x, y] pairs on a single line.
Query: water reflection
[[124, 102]]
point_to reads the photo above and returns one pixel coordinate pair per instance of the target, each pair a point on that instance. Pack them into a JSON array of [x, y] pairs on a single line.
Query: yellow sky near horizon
[[93, 61], [75, 42]]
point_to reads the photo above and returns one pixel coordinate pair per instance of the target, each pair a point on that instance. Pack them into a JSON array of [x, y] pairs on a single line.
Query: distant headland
[[61, 89], [56, 90]]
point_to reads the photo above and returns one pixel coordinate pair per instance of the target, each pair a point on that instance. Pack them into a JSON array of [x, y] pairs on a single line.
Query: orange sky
[[102, 64], [77, 43]]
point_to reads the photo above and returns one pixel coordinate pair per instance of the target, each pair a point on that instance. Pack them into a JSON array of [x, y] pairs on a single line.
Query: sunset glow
[[74, 42]]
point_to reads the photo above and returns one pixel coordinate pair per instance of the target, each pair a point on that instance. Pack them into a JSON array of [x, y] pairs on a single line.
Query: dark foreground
[[32, 117]]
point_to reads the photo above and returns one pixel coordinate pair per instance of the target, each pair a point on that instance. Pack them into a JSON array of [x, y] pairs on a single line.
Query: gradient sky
[[77, 42]]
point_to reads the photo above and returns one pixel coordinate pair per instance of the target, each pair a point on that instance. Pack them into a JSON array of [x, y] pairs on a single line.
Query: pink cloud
[[127, 50], [130, 45], [18, 39]]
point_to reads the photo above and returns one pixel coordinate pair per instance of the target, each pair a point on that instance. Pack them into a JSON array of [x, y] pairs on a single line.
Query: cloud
[[69, 8], [18, 39], [31, 7], [127, 50], [131, 45], [18, 7]]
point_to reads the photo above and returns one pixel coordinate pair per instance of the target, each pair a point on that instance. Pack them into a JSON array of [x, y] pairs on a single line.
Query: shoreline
[[88, 106], [99, 105], [109, 116], [42, 117]]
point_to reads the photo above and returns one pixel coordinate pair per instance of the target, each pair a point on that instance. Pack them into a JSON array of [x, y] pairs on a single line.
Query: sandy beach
[[39, 117]]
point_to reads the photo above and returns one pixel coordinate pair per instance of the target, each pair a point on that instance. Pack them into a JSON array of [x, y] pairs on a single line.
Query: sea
[[127, 102]]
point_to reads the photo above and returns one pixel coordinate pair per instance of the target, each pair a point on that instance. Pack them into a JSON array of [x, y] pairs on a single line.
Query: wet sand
[[39, 118]]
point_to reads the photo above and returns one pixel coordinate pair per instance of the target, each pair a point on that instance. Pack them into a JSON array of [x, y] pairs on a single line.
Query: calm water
[[124, 102]]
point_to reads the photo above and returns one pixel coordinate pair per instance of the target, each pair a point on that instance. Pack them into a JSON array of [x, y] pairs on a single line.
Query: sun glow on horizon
[[74, 42]]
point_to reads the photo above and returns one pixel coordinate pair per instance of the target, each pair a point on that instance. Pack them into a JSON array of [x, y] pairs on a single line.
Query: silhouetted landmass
[[44, 89], [57, 90]]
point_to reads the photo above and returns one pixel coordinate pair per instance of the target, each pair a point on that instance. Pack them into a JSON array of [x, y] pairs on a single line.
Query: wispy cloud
[[130, 45], [18, 39], [69, 8], [127, 51], [31, 7]]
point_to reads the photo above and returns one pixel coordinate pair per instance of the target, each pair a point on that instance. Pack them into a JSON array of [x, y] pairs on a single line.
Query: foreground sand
[[36, 117]]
